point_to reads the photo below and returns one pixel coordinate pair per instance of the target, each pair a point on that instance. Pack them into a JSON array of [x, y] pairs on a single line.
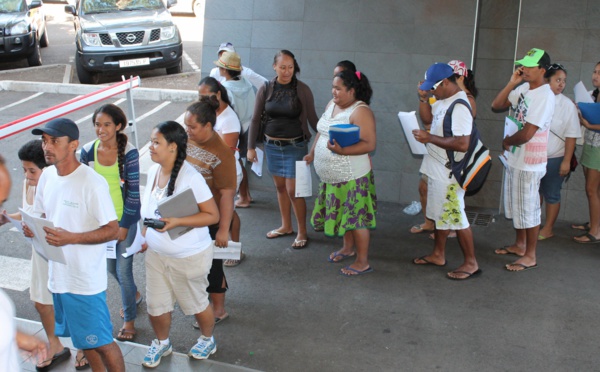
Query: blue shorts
[[84, 318], [551, 183], [281, 160]]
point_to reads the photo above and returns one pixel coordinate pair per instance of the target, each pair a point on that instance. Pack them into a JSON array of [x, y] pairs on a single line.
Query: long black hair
[[359, 82], [118, 117], [174, 133], [205, 110], [596, 91], [32, 151], [214, 86]]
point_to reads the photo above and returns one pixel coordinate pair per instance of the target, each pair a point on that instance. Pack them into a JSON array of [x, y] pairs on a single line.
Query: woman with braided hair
[[117, 160], [177, 270]]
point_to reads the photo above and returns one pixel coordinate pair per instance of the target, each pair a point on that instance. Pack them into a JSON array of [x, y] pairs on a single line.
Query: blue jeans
[[122, 270]]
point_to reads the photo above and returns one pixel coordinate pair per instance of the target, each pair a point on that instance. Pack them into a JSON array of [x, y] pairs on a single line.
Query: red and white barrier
[[67, 107]]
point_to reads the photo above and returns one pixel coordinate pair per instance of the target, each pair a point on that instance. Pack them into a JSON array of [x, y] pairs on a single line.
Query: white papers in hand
[[36, 225], [136, 246], [257, 166], [233, 251], [18, 225], [111, 250], [409, 122], [510, 128], [303, 179], [581, 94]]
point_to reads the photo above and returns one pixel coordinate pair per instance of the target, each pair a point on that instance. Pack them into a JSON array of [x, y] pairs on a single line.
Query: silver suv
[[123, 35]]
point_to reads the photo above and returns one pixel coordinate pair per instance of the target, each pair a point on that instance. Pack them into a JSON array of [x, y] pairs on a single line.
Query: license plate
[[134, 62]]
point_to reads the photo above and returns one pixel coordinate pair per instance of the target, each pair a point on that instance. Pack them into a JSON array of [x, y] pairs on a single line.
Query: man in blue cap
[[532, 100], [445, 197], [76, 200]]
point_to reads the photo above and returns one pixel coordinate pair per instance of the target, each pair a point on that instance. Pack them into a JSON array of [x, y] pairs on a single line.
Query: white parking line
[[85, 118], [191, 62], [15, 273], [21, 101], [153, 111]]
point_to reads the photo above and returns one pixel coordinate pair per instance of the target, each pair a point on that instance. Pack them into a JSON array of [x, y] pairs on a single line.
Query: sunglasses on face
[[434, 87]]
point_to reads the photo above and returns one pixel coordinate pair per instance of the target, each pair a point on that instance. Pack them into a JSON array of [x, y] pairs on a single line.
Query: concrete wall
[[393, 42]]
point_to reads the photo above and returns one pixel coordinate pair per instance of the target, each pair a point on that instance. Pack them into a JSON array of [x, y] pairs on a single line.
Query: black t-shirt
[[283, 112]]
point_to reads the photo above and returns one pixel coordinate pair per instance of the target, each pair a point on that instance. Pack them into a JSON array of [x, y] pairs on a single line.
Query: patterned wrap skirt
[[345, 206]]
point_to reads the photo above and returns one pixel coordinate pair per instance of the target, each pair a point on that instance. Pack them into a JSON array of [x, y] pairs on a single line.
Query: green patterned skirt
[[345, 206]]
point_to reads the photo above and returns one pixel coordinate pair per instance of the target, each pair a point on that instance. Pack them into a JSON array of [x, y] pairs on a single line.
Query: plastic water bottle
[[413, 209]]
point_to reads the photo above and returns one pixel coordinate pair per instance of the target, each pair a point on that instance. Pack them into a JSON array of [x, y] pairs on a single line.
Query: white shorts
[[446, 205], [38, 291], [522, 198], [177, 279]]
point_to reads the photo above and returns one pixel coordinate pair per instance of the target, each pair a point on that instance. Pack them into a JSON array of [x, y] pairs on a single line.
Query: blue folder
[[590, 111], [344, 134]]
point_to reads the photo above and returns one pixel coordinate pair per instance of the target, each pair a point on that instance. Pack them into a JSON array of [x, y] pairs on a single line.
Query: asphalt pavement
[[290, 310]]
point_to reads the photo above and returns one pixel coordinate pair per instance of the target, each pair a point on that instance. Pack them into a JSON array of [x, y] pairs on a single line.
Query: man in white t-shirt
[[255, 79], [533, 105], [445, 197], [77, 201]]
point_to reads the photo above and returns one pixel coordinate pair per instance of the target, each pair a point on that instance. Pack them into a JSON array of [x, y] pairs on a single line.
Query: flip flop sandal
[[418, 229], [300, 244], [233, 263], [338, 254], [356, 272], [122, 332], [581, 226], [274, 234], [81, 367], [61, 356], [217, 321], [591, 239]]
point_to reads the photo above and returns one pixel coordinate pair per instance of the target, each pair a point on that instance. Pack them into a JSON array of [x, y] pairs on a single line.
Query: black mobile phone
[[154, 223]]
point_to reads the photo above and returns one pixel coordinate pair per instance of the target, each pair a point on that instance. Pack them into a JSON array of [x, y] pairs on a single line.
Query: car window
[[103, 6], [12, 6]]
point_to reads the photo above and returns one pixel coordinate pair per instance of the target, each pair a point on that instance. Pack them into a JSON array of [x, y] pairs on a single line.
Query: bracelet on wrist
[[423, 100]]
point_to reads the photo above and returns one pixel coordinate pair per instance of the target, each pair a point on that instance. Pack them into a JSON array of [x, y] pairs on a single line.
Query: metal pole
[[132, 118]]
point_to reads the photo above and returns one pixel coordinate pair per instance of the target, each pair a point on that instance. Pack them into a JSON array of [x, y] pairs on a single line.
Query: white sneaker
[[155, 353]]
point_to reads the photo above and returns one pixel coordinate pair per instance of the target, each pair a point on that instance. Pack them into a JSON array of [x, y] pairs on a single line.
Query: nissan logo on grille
[[130, 38]]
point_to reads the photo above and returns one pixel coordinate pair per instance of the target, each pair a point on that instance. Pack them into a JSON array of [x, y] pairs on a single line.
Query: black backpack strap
[[448, 116]]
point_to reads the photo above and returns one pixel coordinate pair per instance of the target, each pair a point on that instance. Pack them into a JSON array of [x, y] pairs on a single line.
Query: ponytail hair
[[359, 82], [469, 82], [214, 86], [205, 110], [174, 133], [118, 117]]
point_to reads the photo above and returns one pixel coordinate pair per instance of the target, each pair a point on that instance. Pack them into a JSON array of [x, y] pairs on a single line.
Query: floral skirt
[[345, 206]]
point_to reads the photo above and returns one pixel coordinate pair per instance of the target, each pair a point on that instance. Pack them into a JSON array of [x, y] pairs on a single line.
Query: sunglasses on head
[[556, 66]]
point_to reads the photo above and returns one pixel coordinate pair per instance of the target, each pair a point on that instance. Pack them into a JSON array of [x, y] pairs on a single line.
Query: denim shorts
[[551, 183], [281, 160]]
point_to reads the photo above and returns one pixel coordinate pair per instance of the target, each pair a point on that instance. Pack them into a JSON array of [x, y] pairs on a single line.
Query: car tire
[[35, 58], [85, 76], [175, 70], [44, 40], [197, 7]]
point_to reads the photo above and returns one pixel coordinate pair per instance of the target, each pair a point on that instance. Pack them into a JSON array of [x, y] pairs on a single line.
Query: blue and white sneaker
[[155, 353], [204, 348]]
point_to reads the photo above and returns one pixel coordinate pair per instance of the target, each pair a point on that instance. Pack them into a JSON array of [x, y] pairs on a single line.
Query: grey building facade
[[393, 42]]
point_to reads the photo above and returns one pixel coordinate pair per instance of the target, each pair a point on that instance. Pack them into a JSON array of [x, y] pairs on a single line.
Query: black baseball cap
[[60, 127]]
